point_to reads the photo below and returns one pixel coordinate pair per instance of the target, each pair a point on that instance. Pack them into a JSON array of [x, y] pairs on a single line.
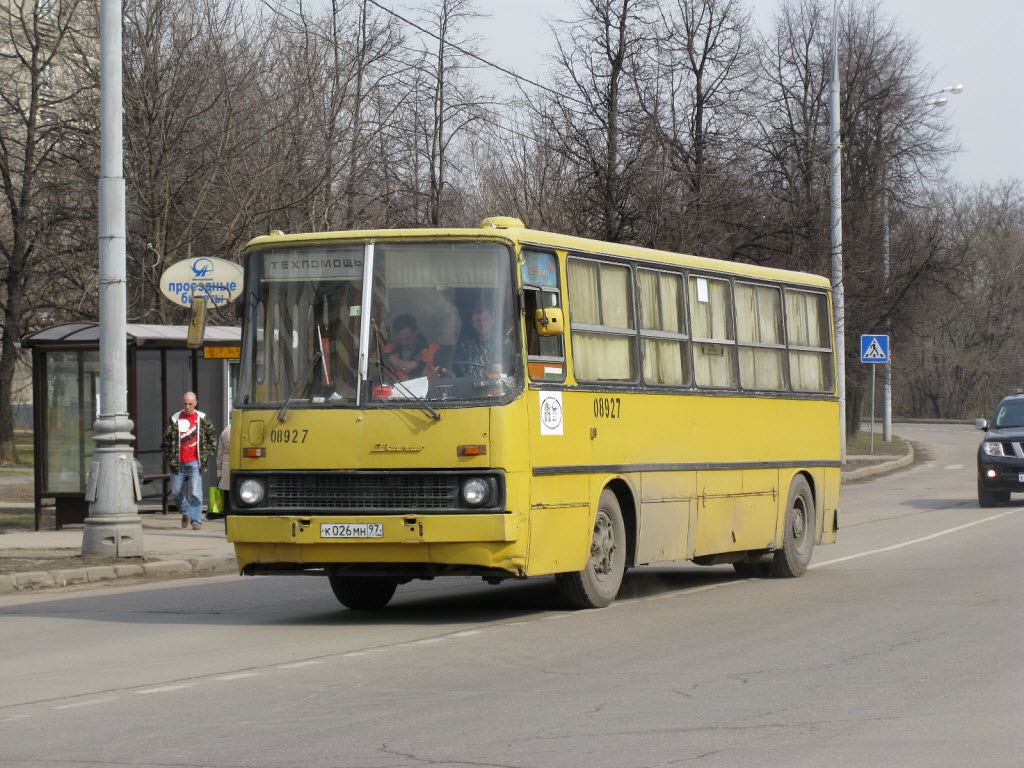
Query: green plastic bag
[[216, 506]]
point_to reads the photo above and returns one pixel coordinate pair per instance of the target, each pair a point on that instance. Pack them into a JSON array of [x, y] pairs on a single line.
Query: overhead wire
[[474, 56]]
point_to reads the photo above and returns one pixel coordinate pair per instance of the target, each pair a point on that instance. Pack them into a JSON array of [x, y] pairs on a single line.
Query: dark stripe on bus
[[584, 469]]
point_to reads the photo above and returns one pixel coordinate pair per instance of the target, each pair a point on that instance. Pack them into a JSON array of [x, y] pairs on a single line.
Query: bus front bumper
[[300, 543]]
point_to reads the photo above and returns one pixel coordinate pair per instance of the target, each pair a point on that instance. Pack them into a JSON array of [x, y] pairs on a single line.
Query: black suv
[[1001, 453]]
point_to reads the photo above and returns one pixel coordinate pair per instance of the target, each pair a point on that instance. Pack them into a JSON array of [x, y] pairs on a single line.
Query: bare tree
[[696, 103], [193, 109], [47, 132], [597, 120], [964, 313]]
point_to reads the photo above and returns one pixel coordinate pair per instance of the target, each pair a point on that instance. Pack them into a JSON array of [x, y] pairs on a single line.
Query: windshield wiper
[[317, 358], [384, 367]]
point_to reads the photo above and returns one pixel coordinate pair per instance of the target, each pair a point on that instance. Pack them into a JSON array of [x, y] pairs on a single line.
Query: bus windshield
[[441, 325]]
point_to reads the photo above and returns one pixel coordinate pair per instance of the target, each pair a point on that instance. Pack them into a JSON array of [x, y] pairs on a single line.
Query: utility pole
[[113, 527], [838, 302]]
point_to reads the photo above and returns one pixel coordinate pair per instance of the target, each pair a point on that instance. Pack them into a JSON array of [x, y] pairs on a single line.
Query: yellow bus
[[504, 402]]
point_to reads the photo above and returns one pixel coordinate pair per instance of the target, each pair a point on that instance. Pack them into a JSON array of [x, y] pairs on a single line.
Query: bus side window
[[540, 291]]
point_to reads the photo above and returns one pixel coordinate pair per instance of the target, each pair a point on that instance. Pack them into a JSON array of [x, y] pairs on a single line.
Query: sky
[[976, 44]]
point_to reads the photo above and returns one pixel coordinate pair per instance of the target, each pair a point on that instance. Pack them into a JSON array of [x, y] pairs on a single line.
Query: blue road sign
[[874, 349]]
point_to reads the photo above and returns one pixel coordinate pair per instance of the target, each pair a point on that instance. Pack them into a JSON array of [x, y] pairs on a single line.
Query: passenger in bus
[[478, 352], [410, 354]]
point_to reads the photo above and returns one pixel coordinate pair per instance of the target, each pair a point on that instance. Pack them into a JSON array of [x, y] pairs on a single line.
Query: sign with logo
[[874, 349], [217, 280], [551, 413]]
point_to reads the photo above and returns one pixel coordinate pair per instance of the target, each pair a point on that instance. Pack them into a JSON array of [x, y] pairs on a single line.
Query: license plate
[[351, 530]]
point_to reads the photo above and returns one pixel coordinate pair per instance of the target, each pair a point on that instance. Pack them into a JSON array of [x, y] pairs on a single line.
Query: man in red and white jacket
[[188, 442]]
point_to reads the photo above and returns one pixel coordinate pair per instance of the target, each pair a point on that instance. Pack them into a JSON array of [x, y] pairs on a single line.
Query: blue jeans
[[187, 489]]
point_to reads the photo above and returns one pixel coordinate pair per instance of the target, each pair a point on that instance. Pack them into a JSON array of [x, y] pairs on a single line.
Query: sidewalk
[[50, 559], [35, 560]]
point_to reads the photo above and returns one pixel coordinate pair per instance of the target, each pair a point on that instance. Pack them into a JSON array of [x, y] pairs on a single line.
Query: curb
[[30, 581], [882, 467]]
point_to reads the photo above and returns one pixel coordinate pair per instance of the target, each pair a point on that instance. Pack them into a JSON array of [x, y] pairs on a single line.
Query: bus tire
[[597, 585], [794, 556], [362, 593]]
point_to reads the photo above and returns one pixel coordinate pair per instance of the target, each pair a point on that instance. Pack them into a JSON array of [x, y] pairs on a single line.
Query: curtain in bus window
[[583, 280], [759, 321], [601, 297], [711, 317], [807, 325], [602, 357], [665, 360], [428, 265]]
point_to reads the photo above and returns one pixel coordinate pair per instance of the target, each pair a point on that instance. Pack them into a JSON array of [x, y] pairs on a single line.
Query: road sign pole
[[873, 408]]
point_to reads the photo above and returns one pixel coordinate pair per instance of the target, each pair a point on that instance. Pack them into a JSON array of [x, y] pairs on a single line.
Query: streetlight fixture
[[937, 99]]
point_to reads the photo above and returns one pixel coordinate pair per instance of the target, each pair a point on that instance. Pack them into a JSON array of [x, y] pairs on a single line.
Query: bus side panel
[[757, 523], [829, 506], [668, 505], [717, 508], [561, 524]]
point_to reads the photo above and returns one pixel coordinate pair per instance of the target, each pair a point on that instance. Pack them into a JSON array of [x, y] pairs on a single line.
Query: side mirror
[[981, 424], [549, 321]]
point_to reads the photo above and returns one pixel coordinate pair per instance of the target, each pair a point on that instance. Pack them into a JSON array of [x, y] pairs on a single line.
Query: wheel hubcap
[[602, 550], [799, 525]]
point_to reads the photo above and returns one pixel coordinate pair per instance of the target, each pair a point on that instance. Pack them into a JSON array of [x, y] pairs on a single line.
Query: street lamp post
[[937, 99], [838, 300], [113, 527]]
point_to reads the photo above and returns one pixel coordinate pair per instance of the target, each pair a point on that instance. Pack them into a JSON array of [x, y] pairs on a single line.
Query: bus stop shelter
[[161, 368]]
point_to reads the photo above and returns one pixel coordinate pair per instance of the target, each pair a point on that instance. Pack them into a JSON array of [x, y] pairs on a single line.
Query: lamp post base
[[113, 528]]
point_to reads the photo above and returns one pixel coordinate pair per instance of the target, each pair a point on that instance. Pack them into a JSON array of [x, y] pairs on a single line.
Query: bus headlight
[[250, 492], [474, 491]]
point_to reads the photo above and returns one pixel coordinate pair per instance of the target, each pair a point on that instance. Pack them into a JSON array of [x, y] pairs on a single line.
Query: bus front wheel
[[597, 585], [362, 593], [794, 556]]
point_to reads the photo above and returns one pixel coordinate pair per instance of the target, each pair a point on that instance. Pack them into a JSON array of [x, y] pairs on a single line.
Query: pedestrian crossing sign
[[874, 349]]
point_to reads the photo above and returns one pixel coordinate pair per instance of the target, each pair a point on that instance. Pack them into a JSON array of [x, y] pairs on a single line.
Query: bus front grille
[[363, 491]]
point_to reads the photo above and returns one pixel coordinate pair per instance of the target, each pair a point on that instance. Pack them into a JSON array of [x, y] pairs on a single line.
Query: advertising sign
[[217, 280]]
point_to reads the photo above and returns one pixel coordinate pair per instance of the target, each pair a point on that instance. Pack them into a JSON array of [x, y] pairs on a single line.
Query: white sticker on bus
[[550, 413]]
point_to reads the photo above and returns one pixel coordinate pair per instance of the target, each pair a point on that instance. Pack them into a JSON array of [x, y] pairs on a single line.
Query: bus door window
[[759, 333], [545, 354], [714, 338]]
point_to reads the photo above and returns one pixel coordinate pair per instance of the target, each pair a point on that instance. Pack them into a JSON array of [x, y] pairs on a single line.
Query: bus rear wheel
[[362, 593], [794, 556], [597, 585]]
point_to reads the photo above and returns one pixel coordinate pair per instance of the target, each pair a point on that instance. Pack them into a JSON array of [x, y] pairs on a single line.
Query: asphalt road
[[900, 647]]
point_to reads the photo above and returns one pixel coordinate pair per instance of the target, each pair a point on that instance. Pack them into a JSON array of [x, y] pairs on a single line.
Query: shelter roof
[[141, 335]]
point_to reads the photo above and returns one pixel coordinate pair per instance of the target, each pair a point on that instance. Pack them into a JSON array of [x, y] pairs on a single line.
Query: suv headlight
[[992, 449], [250, 492]]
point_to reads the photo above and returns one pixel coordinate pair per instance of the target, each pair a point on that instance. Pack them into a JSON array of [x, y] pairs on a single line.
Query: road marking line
[[296, 664], [88, 703], [168, 688], [954, 466], [236, 676], [466, 633], [914, 541]]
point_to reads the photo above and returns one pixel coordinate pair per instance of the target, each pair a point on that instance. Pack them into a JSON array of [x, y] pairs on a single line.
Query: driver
[[410, 355]]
